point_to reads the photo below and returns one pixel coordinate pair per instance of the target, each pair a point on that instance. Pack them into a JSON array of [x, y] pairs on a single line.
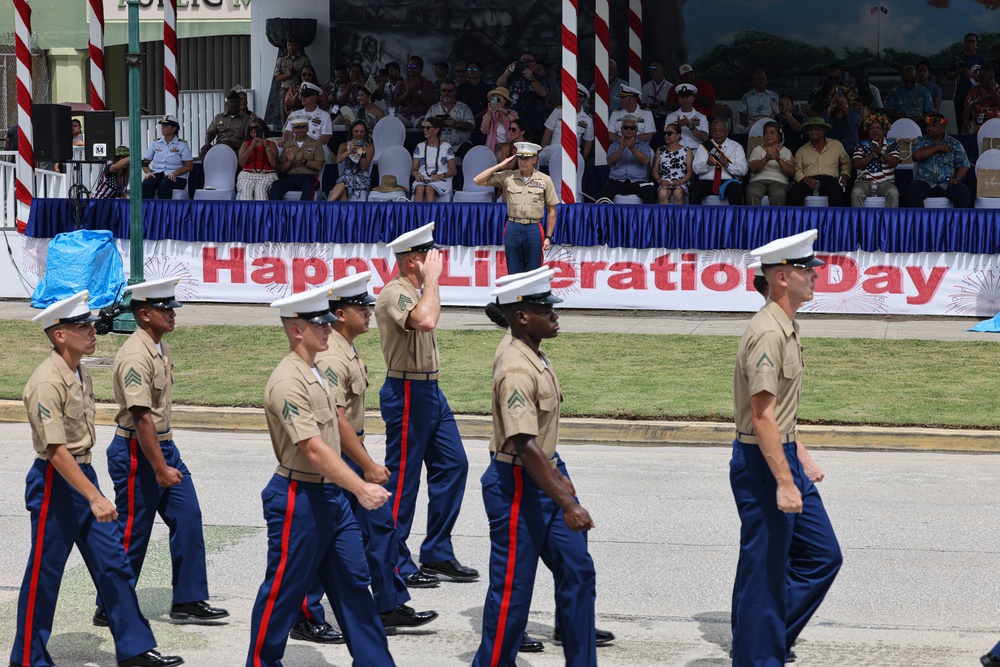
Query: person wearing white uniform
[[693, 123], [552, 137], [320, 123], [630, 107]]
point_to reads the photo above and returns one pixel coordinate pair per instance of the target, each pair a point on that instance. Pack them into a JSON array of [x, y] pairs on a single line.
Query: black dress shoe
[[324, 633], [451, 570], [602, 637], [791, 656], [530, 645], [497, 317], [152, 659], [406, 617], [100, 618], [196, 612], [990, 660], [421, 580]]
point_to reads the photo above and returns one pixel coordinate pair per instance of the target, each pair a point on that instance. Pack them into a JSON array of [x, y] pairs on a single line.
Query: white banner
[[187, 10], [607, 278]]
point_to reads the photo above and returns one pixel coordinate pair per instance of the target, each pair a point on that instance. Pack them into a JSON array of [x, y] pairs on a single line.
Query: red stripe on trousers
[[402, 451], [508, 582], [286, 532], [133, 466], [36, 566], [541, 232], [305, 608]]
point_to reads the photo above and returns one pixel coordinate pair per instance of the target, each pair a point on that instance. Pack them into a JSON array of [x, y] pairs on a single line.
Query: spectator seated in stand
[[456, 116], [672, 167], [704, 95], [389, 83], [496, 122], [982, 102], [415, 96], [822, 94], [528, 91], [843, 119], [862, 82], [875, 159], [258, 158], [822, 166], [909, 99], [630, 107], [320, 124], [552, 137], [771, 167], [758, 103], [719, 163], [169, 158], [356, 155], [964, 71], [441, 69], [113, 183], [693, 123], [924, 79], [348, 94], [288, 66], [940, 165], [474, 93], [229, 127], [292, 101], [302, 159], [614, 87], [790, 122], [244, 102], [433, 164], [655, 91], [629, 159], [368, 111]]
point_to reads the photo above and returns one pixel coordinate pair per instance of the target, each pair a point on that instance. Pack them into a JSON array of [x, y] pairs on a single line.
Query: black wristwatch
[[548, 237]]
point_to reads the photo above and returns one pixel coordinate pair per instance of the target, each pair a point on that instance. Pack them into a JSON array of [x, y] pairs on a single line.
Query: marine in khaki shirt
[[405, 347], [531, 196], [143, 377], [60, 407]]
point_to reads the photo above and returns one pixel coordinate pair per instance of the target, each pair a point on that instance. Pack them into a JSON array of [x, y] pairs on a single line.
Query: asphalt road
[[918, 585]]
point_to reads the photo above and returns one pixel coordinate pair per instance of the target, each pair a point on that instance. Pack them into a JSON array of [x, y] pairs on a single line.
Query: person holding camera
[[496, 122], [356, 155], [528, 90], [413, 98], [288, 67], [843, 119], [258, 159], [456, 116]]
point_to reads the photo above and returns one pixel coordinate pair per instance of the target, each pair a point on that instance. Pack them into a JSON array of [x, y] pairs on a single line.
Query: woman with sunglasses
[[433, 163], [367, 110], [259, 160], [292, 101], [672, 167], [496, 123], [356, 155]]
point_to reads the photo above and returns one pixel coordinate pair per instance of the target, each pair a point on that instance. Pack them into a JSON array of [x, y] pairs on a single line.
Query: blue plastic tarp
[[82, 260], [991, 325]]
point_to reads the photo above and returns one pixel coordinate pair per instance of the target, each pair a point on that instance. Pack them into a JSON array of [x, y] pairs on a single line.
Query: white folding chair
[[904, 131], [756, 136], [396, 161], [988, 175], [389, 131], [477, 160], [220, 174], [988, 136]]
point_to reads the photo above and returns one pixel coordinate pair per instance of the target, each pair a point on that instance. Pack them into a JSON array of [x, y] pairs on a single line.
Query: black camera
[[522, 65], [108, 315]]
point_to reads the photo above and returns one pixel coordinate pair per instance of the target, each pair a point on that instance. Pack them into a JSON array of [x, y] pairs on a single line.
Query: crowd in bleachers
[[667, 143]]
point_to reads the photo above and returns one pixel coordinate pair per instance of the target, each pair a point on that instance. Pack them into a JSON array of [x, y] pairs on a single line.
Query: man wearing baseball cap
[[704, 97], [169, 158], [230, 127]]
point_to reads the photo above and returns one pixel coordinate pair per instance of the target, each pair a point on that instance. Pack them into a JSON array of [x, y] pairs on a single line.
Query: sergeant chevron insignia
[[765, 361], [133, 378], [404, 302], [290, 411], [331, 375], [515, 400], [43, 412]]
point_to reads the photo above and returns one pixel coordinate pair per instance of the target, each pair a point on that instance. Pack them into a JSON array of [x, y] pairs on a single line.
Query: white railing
[[8, 171]]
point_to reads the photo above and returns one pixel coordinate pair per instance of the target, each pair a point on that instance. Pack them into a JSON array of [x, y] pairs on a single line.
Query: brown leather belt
[[298, 476], [406, 375], [751, 439], [79, 458], [503, 457], [129, 433], [524, 221]]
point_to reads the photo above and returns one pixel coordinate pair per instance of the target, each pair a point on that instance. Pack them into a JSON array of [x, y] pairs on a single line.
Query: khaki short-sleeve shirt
[[526, 398], [311, 149], [230, 130], [404, 349], [60, 407], [769, 359], [526, 198], [347, 374], [143, 377], [298, 406]]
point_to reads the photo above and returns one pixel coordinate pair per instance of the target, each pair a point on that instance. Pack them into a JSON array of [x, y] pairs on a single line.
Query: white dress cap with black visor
[[352, 289], [529, 287], [418, 240], [72, 310], [158, 293], [312, 306], [796, 250]]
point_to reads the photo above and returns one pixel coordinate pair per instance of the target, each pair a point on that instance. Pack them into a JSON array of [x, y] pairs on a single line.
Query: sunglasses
[[669, 133], [427, 127], [630, 127], [473, 69], [528, 60], [413, 67]]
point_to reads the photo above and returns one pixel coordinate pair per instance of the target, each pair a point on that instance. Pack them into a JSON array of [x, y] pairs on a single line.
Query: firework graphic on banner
[[34, 252], [561, 254], [855, 301], [286, 252], [738, 258], [163, 266], [978, 294]]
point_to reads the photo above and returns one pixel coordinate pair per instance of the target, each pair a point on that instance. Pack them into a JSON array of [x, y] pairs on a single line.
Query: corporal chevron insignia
[[765, 362], [290, 411], [133, 378], [43, 413], [516, 400], [332, 376], [404, 302]]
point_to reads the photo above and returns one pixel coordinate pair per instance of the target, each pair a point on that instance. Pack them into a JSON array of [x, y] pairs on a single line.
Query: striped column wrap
[[635, 43], [170, 57], [96, 47], [570, 51], [602, 45], [25, 179]]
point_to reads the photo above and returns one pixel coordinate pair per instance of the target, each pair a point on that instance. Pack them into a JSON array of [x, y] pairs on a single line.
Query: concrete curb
[[604, 431]]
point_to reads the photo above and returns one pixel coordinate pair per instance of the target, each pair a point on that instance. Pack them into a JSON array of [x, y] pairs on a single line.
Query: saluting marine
[[66, 503]]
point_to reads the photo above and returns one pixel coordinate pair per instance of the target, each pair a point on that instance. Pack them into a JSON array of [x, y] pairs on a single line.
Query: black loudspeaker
[[99, 135], [53, 132]]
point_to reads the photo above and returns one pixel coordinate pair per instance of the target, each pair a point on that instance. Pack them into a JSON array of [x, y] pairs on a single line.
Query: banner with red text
[[606, 278]]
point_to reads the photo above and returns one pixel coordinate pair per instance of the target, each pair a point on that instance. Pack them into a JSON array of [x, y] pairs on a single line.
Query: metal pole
[[125, 323]]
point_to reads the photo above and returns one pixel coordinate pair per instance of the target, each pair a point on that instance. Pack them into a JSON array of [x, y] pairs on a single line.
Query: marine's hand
[[789, 498], [432, 266], [169, 477], [810, 467], [578, 519], [103, 510], [372, 496], [377, 475], [568, 483]]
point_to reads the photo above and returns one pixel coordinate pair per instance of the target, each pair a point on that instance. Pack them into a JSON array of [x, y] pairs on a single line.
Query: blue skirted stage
[[974, 231]]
